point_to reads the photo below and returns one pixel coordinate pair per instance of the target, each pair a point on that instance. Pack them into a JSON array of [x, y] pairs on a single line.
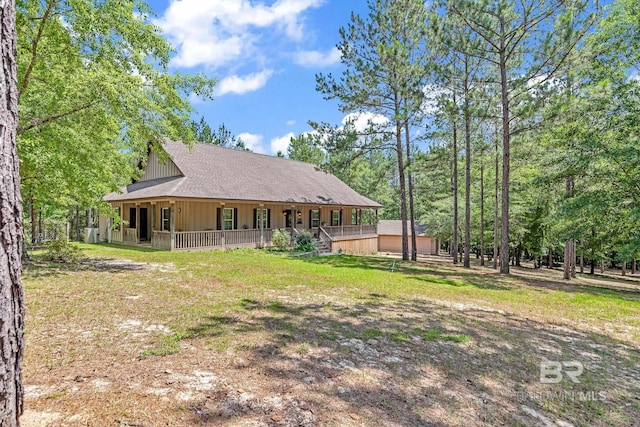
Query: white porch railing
[[220, 238], [351, 230], [184, 240]]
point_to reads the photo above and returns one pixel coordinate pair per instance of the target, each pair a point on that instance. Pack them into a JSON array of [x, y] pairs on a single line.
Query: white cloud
[[281, 143], [243, 84], [215, 33], [317, 59], [362, 121], [291, 122], [253, 142]]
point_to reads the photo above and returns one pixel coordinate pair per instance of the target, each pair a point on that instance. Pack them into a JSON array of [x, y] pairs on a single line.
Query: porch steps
[[322, 247]]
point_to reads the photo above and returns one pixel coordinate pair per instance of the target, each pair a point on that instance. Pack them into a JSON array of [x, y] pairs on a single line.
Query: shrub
[[62, 251], [304, 242], [281, 239]]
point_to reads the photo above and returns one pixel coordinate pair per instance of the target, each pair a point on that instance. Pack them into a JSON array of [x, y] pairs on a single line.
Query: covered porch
[[205, 224]]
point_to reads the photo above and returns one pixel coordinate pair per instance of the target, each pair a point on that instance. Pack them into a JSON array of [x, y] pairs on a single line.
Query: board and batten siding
[[156, 170], [202, 215], [425, 245], [355, 246]]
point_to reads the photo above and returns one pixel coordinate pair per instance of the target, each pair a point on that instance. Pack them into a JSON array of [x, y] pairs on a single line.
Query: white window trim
[[162, 219], [225, 219]]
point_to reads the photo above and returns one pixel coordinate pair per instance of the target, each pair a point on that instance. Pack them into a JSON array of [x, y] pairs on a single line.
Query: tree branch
[[34, 48], [39, 122]]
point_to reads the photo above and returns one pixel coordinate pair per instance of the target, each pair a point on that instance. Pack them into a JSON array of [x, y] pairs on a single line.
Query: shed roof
[[393, 227], [214, 172]]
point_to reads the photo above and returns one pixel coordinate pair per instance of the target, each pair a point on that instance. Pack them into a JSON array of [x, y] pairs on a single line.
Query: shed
[[390, 238]]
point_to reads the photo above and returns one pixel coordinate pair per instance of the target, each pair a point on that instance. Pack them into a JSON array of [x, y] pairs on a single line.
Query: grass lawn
[[144, 338]]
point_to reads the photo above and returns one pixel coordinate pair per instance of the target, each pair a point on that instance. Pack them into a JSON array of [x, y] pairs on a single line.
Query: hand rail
[[324, 236]]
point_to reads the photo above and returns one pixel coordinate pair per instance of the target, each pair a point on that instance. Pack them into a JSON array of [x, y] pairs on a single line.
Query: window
[[117, 219], [165, 219], [261, 218], [335, 218], [228, 219], [132, 217], [315, 219]]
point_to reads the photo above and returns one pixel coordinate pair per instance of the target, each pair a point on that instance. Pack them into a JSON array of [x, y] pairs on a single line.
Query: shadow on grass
[[405, 362], [40, 268], [457, 278]]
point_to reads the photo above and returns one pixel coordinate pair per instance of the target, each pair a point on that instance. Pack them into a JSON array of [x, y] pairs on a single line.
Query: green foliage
[[94, 90], [222, 136], [304, 242], [62, 251], [281, 239]]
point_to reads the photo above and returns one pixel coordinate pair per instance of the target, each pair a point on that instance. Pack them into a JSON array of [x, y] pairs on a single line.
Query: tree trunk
[[34, 223], [412, 215], [11, 226], [506, 140], [481, 209], [633, 267], [602, 266], [581, 256], [454, 186], [569, 245], [467, 168], [403, 187], [496, 202], [550, 258], [624, 268]]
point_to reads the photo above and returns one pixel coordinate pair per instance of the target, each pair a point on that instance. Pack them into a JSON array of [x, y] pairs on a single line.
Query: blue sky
[[265, 55]]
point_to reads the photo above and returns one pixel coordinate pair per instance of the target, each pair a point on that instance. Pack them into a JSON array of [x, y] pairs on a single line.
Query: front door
[[288, 218], [144, 225]]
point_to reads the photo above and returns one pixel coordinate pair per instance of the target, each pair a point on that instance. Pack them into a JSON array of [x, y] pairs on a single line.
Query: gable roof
[[214, 172], [393, 227]]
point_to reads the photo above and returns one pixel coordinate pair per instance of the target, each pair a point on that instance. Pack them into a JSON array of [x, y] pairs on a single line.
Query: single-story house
[[390, 238], [206, 196]]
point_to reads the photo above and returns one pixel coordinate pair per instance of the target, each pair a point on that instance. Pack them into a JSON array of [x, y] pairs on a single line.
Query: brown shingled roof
[[213, 172]]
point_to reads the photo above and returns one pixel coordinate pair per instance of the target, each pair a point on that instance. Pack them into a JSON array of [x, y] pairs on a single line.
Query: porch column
[[109, 229], [172, 224], [153, 221], [222, 223], [138, 223], [261, 219]]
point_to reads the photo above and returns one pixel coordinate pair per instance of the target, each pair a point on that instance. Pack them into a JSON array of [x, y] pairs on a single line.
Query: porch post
[[109, 228], [261, 219], [153, 221], [138, 223], [222, 223], [172, 224]]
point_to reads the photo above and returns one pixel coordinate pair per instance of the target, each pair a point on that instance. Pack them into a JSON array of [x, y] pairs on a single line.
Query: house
[[390, 238], [207, 197]]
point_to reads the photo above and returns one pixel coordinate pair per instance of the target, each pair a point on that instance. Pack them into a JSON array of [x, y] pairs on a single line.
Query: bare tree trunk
[[454, 186], [496, 203], [412, 215], [602, 266], [624, 268], [467, 169], [633, 267], [506, 153], [481, 209], [569, 245], [581, 256], [403, 186], [11, 226]]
